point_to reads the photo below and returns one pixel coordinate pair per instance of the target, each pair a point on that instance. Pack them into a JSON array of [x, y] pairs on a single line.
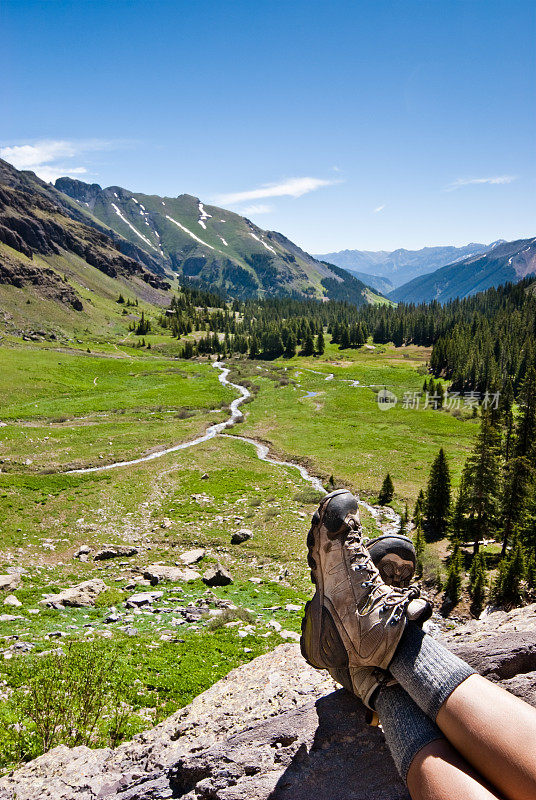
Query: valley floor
[[75, 409]]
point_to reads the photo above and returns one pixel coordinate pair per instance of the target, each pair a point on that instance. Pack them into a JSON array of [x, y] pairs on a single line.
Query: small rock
[[84, 550], [193, 556], [204, 476], [255, 580], [292, 607], [166, 523], [9, 617], [142, 599], [11, 600], [241, 536], [112, 618], [290, 635], [217, 576], [9, 582], [115, 551], [56, 634]]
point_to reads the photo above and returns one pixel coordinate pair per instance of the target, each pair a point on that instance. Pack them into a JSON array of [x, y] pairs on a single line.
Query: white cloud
[[258, 208], [377, 210], [497, 179], [47, 157], [292, 187]]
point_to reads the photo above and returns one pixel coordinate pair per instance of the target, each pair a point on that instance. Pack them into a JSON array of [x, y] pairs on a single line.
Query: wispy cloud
[[53, 158], [496, 179], [377, 210], [292, 187], [257, 208]]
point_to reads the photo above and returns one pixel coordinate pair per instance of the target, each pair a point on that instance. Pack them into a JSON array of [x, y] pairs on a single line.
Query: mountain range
[[397, 267], [504, 262], [212, 246]]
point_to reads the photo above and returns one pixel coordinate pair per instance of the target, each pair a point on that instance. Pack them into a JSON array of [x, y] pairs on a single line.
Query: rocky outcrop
[[83, 594], [274, 729], [34, 220]]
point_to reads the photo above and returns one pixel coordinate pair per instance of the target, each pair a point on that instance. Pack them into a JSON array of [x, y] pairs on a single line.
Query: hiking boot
[[354, 619]]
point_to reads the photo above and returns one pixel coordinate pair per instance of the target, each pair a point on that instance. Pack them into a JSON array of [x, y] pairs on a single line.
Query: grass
[[342, 432]]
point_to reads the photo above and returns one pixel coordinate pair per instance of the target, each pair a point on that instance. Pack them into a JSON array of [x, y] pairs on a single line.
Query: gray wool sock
[[427, 671], [406, 728]]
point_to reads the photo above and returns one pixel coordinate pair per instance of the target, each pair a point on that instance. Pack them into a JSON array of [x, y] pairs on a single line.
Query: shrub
[[308, 495], [62, 697], [110, 597], [230, 615]]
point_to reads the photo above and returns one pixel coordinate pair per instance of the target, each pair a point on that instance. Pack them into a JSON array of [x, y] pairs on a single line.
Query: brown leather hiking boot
[[354, 619]]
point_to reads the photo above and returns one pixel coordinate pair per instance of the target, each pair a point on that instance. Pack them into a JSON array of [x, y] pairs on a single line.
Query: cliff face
[[274, 729]]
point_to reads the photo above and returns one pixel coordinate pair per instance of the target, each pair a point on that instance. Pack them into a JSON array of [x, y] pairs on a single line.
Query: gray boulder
[[241, 536], [115, 551], [217, 576], [193, 556], [158, 572]]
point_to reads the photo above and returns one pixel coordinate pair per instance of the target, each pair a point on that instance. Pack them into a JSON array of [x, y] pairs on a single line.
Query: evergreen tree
[[387, 491], [418, 511], [253, 347], [477, 582], [437, 504], [308, 348], [453, 585], [290, 345], [457, 523], [420, 546], [483, 473], [320, 344], [507, 588]]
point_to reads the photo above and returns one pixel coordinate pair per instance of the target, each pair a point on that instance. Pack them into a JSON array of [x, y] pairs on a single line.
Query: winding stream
[[391, 521]]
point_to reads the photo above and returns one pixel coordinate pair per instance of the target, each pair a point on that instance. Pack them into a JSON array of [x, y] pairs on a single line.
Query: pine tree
[[437, 502], [387, 491], [453, 585], [404, 518], [477, 582], [507, 588], [419, 543], [320, 344], [418, 511], [308, 348], [458, 523], [483, 480], [253, 347], [290, 345], [344, 337]]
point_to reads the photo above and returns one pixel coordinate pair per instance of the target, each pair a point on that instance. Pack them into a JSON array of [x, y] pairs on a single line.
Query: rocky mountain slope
[[400, 266], [270, 730], [48, 251], [211, 245], [505, 262]]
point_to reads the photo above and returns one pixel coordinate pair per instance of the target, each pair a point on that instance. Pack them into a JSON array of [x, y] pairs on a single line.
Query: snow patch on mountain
[[197, 239], [267, 246], [131, 226]]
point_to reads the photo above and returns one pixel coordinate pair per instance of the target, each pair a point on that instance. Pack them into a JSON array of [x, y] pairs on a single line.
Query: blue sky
[[369, 125]]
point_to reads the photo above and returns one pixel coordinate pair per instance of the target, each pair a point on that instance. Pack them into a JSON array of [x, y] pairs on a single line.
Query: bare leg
[[438, 772], [496, 732]]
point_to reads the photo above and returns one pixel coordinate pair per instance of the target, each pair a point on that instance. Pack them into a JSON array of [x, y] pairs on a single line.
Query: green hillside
[[213, 246]]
